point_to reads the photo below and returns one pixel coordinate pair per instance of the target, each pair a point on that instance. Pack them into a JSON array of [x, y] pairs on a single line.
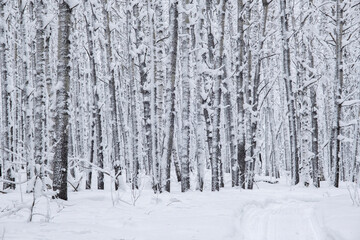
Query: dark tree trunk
[[62, 104]]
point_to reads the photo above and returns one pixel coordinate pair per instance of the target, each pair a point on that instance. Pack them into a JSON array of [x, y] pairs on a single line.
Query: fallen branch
[[268, 181]]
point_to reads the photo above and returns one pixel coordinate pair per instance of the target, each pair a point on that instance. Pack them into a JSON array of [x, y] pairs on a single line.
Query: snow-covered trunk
[[255, 93], [289, 92], [356, 163], [25, 83], [273, 153], [160, 74], [241, 153], [231, 136], [30, 103], [132, 164], [229, 118], [124, 130], [314, 118], [198, 39], [145, 86], [135, 107], [208, 81], [50, 101], [96, 125], [265, 165], [154, 19], [314, 137], [338, 87], [24, 76], [39, 89], [200, 151], [185, 100], [170, 102], [5, 141], [216, 148], [135, 132], [248, 88], [128, 95], [62, 102], [123, 126], [112, 94], [97, 117], [302, 95]]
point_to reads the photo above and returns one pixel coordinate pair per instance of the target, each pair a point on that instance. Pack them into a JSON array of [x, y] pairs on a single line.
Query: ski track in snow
[[286, 220]]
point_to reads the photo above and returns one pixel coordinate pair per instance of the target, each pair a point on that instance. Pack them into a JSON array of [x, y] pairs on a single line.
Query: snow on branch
[[350, 103]]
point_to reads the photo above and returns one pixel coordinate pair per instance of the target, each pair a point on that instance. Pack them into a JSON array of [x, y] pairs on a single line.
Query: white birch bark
[[5, 140], [39, 92], [185, 104]]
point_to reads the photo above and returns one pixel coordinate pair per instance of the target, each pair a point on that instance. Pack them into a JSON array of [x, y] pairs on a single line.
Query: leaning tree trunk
[[62, 104]]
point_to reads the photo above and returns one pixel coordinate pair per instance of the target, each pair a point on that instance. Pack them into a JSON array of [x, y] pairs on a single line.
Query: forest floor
[[269, 212]]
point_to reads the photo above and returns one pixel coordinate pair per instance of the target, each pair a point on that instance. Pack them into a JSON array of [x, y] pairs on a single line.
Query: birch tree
[[185, 91], [338, 85], [169, 140], [39, 86], [240, 93], [289, 92], [112, 93], [7, 168], [62, 97]]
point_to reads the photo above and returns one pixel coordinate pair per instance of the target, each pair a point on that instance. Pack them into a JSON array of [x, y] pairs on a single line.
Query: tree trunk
[[198, 40], [7, 167], [112, 93], [62, 104], [339, 78], [39, 86], [174, 25], [314, 122], [185, 114], [289, 92], [241, 153], [96, 125]]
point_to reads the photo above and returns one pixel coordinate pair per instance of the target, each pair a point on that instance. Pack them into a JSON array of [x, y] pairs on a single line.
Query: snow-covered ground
[[270, 211]]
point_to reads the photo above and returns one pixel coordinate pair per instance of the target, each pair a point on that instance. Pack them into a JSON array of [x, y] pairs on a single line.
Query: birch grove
[[106, 93]]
